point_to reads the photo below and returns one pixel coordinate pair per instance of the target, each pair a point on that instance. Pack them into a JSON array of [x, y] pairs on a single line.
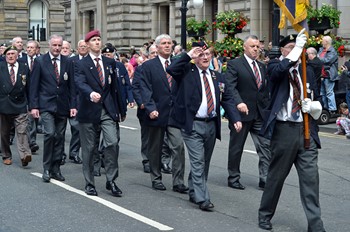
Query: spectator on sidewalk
[[343, 122]]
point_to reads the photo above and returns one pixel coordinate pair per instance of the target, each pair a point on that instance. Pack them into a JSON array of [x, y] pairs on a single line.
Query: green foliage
[[193, 25], [326, 11], [228, 22]]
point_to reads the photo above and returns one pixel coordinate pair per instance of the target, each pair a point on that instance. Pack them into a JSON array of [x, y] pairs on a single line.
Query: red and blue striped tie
[[210, 103], [100, 73]]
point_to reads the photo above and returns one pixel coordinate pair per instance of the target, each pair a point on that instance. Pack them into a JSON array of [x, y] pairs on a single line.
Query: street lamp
[[196, 4]]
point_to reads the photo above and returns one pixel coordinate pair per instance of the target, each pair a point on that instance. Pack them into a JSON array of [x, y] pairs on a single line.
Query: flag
[[295, 11]]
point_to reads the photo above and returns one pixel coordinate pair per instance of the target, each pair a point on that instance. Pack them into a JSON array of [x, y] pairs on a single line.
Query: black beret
[[202, 44], [288, 39], [10, 48], [108, 49]]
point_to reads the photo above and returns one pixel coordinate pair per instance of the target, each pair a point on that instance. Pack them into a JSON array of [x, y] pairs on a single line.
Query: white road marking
[[127, 127], [111, 205]]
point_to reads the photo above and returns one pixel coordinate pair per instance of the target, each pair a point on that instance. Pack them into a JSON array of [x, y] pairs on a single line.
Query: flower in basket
[[198, 27], [315, 41], [229, 47], [326, 11], [339, 44], [229, 22]]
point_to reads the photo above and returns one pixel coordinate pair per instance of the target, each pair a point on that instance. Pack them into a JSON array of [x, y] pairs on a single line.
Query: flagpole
[[306, 116]]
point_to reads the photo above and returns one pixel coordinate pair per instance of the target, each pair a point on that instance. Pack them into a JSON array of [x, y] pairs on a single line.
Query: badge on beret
[[65, 76], [109, 79], [24, 79]]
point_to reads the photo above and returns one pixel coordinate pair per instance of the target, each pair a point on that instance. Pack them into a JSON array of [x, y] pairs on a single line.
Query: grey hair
[[160, 37], [250, 37], [55, 36], [328, 39], [312, 50]]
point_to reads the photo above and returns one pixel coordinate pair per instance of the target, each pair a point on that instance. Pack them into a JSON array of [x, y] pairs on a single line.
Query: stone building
[[126, 23]]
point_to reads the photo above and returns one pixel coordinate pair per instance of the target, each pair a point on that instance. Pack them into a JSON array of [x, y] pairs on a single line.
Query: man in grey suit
[[100, 109], [246, 78]]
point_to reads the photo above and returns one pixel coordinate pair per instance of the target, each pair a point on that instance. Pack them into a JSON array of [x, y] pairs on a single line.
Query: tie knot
[[12, 65], [204, 72], [97, 59]]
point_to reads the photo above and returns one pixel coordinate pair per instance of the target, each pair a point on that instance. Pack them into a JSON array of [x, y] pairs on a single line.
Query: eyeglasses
[[207, 54]]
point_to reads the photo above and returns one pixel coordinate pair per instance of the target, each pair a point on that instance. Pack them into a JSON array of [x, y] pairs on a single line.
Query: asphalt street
[[30, 205]]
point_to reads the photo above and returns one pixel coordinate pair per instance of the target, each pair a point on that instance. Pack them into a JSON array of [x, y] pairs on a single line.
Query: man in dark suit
[[101, 108], [32, 46], [246, 78], [13, 101], [284, 124], [158, 91], [196, 111], [315, 63], [17, 42], [53, 98]]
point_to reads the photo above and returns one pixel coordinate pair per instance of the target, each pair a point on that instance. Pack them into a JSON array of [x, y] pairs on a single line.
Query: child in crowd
[[343, 122]]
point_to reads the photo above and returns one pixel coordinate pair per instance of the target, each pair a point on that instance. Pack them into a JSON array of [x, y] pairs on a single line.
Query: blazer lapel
[[249, 69], [162, 72], [48, 64], [93, 70]]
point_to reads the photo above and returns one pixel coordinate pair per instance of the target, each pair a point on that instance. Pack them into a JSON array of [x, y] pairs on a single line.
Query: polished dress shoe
[[192, 200], [206, 205], [90, 190], [57, 176], [261, 185], [265, 224], [76, 159], [110, 185], [146, 167], [180, 188], [236, 185], [165, 168], [34, 147], [158, 186], [63, 160], [26, 160], [46, 176]]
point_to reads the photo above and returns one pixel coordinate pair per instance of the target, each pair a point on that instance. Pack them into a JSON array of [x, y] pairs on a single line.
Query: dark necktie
[[296, 94], [31, 63], [210, 103], [257, 75], [12, 75], [56, 69], [169, 78], [100, 73]]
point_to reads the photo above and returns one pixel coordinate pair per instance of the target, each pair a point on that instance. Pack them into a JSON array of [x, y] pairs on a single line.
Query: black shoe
[[158, 186], [34, 147], [63, 160], [236, 185], [265, 224], [206, 205], [180, 188], [46, 176], [97, 173], [192, 200], [76, 159], [165, 168], [146, 167], [57, 176], [90, 190], [110, 185], [261, 185]]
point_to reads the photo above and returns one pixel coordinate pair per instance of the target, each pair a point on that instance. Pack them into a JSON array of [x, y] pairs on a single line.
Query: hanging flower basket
[[321, 25], [196, 28], [327, 13], [230, 22]]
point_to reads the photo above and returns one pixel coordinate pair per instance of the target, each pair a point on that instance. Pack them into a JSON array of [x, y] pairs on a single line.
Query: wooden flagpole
[[306, 115]]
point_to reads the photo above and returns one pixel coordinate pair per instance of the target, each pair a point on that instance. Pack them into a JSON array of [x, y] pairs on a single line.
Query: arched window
[[38, 19]]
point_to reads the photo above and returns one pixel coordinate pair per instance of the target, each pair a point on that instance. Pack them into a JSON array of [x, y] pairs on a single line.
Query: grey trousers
[[74, 145], [285, 153], [200, 144]]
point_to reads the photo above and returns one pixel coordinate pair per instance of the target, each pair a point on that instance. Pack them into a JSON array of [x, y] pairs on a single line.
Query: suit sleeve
[[231, 77], [177, 69], [136, 86], [34, 86], [127, 85], [72, 89], [81, 81], [147, 89]]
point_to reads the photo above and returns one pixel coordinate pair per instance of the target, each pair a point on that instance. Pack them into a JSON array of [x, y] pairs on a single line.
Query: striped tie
[[296, 94], [100, 73], [12, 75], [56, 70], [210, 103], [169, 78], [31, 63], [257, 75]]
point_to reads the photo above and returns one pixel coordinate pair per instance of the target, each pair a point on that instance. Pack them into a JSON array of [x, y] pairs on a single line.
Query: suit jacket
[[241, 79], [156, 92], [46, 94], [124, 82], [189, 96], [278, 72], [136, 92], [14, 98], [87, 81]]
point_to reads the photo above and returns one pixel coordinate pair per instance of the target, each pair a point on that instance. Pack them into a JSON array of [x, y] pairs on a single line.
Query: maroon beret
[[94, 33]]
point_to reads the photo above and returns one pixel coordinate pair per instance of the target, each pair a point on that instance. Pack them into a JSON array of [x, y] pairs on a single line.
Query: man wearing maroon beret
[[100, 110]]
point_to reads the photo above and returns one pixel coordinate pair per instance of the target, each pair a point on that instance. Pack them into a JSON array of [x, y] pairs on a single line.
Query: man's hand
[[242, 107], [238, 126], [35, 113], [195, 52], [131, 104], [73, 112], [95, 97], [154, 114]]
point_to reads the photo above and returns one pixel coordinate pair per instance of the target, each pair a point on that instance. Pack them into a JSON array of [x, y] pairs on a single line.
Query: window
[[38, 19]]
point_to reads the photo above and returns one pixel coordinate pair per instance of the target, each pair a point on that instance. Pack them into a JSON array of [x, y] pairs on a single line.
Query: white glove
[[314, 108], [299, 45]]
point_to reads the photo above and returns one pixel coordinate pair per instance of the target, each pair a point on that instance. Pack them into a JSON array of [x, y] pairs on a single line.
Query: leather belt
[[205, 119], [290, 123]]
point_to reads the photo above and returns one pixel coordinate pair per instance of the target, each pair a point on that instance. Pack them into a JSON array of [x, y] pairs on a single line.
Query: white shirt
[[15, 68], [162, 60], [93, 57], [58, 61], [250, 62], [203, 109]]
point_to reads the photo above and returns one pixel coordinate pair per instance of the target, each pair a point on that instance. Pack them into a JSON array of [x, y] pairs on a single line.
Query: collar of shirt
[[93, 57], [162, 60], [58, 57], [15, 65]]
